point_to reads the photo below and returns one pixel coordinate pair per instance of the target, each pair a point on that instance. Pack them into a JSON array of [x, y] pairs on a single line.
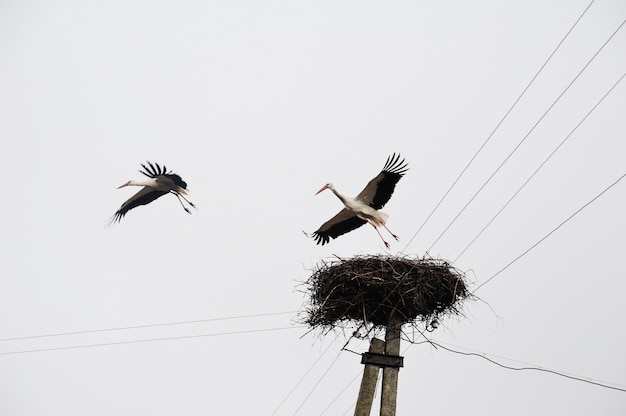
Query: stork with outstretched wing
[[160, 182], [365, 207]]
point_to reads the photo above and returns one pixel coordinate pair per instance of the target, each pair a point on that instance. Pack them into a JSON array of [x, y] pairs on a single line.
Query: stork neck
[[146, 182], [340, 196]]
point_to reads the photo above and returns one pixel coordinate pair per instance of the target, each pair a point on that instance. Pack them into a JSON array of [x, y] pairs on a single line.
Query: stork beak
[[323, 187], [123, 185]]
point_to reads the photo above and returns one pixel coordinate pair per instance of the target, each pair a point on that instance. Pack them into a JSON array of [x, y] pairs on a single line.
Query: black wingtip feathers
[[396, 165]]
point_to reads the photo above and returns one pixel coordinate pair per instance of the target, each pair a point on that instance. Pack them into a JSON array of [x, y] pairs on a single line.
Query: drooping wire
[[551, 232], [498, 125], [526, 136], [545, 370], [539, 168]]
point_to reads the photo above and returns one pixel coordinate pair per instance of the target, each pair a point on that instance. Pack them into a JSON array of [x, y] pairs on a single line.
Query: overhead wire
[[301, 380], [551, 232], [341, 393], [506, 159], [534, 368], [539, 168], [306, 398], [122, 328], [106, 344], [498, 125]]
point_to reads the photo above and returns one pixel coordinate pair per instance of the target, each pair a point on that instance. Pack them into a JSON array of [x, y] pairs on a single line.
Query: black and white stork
[[160, 182], [364, 208]]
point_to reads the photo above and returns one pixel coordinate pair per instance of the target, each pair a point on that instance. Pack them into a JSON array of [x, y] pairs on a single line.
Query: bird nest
[[371, 288]]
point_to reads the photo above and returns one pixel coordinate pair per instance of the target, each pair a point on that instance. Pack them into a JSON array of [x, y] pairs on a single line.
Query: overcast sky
[[257, 105]]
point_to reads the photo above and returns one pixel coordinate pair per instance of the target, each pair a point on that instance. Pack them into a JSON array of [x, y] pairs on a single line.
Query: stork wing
[[143, 197], [178, 181], [344, 222], [379, 190], [153, 171]]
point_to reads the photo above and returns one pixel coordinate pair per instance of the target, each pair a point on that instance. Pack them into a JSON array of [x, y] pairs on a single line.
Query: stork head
[[124, 184], [327, 186]]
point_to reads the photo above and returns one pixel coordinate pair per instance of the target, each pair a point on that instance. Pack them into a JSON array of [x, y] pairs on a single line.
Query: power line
[[539, 168], [318, 383], [301, 379], [146, 326], [551, 232], [106, 344], [498, 125], [527, 135], [341, 393], [545, 370]]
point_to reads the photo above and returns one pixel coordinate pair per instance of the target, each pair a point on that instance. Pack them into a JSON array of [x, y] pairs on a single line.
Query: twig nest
[[370, 288]]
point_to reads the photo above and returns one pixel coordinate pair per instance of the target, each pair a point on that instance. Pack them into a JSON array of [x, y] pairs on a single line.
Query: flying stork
[[160, 182], [364, 208]]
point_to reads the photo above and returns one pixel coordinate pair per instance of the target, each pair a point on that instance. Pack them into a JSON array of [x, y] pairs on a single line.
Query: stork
[[364, 208], [160, 182]]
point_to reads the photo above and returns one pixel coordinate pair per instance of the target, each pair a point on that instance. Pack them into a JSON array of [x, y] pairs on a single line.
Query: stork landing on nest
[[365, 207]]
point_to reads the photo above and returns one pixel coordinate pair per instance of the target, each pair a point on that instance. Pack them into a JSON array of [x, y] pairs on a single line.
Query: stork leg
[[181, 202], [188, 201], [392, 234], [381, 236]]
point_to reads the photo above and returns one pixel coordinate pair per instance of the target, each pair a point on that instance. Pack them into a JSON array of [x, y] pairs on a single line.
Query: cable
[[106, 344], [498, 125], [349, 410], [318, 383], [539, 168], [301, 379], [145, 326], [545, 370], [550, 233], [341, 393], [527, 134]]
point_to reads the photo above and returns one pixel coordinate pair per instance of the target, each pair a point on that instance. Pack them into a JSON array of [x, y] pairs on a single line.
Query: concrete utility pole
[[368, 382], [390, 373]]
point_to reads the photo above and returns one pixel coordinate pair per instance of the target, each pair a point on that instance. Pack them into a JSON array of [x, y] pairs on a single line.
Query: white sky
[[256, 105]]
